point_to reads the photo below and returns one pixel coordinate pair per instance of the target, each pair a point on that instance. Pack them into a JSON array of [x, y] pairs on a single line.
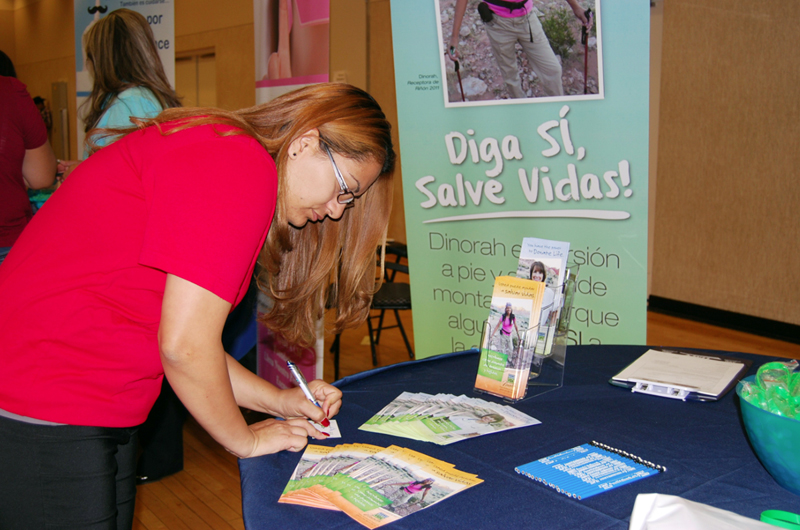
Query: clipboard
[[683, 375]]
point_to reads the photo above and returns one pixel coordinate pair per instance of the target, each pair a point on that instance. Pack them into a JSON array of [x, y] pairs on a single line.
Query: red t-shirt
[[21, 128], [82, 288]]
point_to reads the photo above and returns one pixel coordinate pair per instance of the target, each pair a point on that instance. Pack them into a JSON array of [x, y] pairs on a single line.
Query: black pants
[[66, 477], [161, 437]]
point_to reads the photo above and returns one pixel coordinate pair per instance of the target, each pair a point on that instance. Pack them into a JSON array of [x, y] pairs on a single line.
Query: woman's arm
[[495, 328], [39, 167], [190, 343], [579, 14], [252, 392]]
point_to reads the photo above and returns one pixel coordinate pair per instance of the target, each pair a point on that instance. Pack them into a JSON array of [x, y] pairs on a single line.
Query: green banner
[[483, 170]]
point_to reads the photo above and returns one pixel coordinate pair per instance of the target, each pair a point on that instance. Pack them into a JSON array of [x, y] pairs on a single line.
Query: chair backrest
[[392, 265], [395, 268]]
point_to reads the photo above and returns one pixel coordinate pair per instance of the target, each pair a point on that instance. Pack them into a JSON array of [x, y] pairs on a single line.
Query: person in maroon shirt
[[26, 158]]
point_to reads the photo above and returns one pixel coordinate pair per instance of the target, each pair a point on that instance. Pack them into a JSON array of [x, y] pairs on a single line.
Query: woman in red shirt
[[128, 274]]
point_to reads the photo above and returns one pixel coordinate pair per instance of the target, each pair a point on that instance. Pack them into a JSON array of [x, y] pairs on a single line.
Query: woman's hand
[[293, 402], [65, 167], [273, 436]]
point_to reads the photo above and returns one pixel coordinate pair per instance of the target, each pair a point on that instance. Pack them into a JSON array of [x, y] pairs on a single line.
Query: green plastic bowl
[[775, 439]]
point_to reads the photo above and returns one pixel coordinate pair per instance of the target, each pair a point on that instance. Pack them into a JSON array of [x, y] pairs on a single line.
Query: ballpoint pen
[[301, 382]]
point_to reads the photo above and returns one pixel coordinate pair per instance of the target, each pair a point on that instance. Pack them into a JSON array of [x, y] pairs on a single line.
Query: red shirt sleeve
[[211, 206]]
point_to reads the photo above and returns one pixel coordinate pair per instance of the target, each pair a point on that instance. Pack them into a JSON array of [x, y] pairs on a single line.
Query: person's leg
[[507, 345], [126, 481], [503, 38], [541, 58], [65, 476]]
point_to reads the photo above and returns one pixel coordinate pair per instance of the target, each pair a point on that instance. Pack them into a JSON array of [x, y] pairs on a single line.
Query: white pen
[[301, 382]]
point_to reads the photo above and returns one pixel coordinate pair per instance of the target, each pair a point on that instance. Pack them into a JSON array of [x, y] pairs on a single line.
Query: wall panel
[[381, 86], [726, 225]]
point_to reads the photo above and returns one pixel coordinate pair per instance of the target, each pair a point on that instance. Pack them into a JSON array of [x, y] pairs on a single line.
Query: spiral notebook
[[588, 469]]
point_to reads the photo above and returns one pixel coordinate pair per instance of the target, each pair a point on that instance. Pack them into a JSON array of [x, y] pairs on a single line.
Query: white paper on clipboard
[[709, 376]]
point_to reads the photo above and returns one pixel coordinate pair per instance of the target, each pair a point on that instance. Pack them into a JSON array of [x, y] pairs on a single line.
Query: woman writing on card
[[145, 249]]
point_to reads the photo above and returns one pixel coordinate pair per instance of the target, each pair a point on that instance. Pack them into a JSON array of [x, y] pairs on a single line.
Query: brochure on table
[[444, 419], [526, 325], [373, 485], [543, 260]]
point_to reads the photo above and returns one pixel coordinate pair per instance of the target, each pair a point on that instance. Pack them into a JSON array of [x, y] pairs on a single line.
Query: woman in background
[[139, 287], [26, 158], [128, 77]]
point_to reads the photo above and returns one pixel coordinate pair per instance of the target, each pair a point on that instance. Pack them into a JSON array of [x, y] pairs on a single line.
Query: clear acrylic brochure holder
[[539, 354]]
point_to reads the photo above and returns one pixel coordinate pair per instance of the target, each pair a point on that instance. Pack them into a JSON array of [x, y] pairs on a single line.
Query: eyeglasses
[[346, 196]]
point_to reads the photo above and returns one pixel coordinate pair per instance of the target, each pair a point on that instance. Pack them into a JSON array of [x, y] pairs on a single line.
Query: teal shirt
[[137, 101]]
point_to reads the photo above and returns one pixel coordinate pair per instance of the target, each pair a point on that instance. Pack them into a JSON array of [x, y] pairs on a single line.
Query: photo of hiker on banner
[[519, 51]]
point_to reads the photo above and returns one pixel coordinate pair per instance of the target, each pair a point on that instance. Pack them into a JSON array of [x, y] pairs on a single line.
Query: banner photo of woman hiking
[[518, 120]]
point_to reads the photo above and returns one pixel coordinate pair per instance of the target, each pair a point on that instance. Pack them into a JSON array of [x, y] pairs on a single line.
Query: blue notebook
[[588, 469]]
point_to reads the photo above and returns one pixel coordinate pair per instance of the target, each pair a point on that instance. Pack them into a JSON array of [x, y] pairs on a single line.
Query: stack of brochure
[[373, 485], [444, 418]]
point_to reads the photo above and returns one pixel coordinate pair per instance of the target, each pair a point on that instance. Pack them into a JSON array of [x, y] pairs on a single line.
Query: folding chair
[[392, 295]]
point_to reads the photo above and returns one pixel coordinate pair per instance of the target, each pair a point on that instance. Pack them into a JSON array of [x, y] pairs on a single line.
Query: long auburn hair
[[122, 51], [329, 263]]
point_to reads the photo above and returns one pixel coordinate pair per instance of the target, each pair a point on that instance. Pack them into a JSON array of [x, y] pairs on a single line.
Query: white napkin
[[653, 511]]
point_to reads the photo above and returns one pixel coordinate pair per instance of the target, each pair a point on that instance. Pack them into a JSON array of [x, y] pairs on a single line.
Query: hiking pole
[[458, 73], [585, 42]]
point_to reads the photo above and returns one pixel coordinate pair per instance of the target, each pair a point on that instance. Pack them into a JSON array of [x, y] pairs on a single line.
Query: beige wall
[[7, 28], [656, 36], [227, 28], [381, 86], [38, 36], [726, 222]]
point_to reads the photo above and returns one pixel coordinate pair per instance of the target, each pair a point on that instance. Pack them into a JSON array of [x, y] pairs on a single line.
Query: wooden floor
[[206, 494]]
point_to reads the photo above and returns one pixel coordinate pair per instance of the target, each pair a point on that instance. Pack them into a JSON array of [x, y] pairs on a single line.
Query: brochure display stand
[[523, 364], [547, 371]]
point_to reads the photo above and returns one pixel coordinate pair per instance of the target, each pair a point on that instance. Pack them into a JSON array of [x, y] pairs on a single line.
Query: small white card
[[332, 430]]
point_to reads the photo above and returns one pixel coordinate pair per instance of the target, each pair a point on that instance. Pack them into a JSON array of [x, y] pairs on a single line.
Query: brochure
[[543, 260], [510, 337], [444, 419], [374, 487]]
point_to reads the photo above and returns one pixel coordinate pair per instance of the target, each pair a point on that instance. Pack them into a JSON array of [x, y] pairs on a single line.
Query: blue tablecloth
[[703, 446]]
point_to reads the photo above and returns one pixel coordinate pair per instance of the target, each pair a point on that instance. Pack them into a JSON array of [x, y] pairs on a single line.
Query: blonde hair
[[123, 54], [329, 263]]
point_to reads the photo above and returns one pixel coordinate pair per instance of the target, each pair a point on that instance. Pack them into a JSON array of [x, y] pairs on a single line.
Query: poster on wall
[[292, 50], [519, 124], [292, 45], [160, 15]]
